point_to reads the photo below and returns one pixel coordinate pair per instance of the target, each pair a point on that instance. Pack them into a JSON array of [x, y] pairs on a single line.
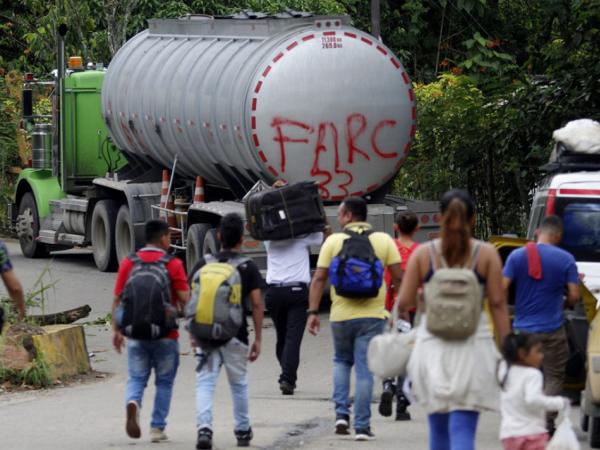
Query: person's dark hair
[[155, 229], [407, 221], [231, 230], [516, 340], [357, 206], [457, 209], [551, 225]]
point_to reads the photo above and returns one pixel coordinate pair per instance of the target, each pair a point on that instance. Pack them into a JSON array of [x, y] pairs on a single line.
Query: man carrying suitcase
[[286, 298]]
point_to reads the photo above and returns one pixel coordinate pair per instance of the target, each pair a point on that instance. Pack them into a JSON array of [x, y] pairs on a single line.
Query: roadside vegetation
[[493, 79]]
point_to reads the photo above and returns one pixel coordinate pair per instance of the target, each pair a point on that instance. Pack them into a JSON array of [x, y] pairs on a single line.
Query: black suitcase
[[286, 212]]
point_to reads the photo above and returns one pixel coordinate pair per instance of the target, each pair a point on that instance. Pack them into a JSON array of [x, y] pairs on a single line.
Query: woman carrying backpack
[[453, 363]]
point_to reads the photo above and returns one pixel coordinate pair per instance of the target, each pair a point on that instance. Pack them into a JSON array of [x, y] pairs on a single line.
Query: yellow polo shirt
[[343, 308]]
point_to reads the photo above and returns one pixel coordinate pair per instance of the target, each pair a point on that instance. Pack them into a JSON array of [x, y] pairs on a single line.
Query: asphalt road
[[91, 416]]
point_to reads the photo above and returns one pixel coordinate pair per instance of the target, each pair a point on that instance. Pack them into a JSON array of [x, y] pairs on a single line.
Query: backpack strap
[[165, 259], [473, 260], [135, 259], [433, 254], [475, 251]]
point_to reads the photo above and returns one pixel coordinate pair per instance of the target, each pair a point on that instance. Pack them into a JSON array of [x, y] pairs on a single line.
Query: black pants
[[287, 306]]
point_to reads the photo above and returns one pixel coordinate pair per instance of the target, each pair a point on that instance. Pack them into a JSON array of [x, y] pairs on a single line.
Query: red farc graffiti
[[327, 139]]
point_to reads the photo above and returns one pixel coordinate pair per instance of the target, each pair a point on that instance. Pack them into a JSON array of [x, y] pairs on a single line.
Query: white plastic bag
[[564, 437], [580, 136], [389, 352]]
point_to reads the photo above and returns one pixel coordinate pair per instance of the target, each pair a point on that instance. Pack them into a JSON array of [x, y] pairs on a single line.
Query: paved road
[[91, 416]]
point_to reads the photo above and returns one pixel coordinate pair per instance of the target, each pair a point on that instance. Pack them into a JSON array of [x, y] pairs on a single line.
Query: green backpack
[[453, 298]]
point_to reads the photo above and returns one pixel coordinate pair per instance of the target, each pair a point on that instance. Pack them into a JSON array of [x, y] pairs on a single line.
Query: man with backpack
[[150, 289], [222, 285], [354, 261]]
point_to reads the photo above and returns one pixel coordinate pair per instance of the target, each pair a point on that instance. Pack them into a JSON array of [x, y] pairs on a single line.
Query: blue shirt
[[539, 303]]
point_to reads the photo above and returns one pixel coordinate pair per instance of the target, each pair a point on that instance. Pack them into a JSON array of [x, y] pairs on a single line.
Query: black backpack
[[146, 299], [356, 272]]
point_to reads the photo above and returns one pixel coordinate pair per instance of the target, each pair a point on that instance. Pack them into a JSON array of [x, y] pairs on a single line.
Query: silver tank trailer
[[241, 100]]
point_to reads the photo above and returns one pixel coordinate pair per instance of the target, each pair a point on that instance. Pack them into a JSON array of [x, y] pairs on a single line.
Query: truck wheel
[[103, 235], [28, 228], [201, 239], [124, 234], [594, 432]]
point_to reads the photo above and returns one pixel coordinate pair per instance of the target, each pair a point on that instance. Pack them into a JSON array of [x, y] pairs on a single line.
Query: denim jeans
[[162, 355], [350, 341], [453, 431], [234, 356]]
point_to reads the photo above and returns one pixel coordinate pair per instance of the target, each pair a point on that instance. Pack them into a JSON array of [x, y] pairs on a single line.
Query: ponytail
[[456, 233]]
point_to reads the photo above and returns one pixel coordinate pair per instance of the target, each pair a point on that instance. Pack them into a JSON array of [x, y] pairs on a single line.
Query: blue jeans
[[234, 356], [453, 431], [350, 341], [162, 355]]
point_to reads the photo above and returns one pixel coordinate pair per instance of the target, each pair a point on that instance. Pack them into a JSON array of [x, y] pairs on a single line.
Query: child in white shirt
[[522, 401]]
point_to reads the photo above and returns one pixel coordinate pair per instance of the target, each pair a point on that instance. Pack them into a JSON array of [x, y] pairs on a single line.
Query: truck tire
[[594, 432], [103, 235], [201, 239], [28, 228], [124, 233]]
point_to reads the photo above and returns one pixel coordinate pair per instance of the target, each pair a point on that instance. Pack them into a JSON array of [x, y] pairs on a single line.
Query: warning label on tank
[[330, 42]]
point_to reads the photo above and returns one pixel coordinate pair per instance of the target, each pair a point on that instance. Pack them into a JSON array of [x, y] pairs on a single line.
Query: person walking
[[354, 321], [150, 272], [453, 362], [12, 285], [540, 273], [406, 225], [235, 353], [522, 401]]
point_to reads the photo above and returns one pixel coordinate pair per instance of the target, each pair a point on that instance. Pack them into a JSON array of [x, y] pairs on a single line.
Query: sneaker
[[286, 388], [402, 409], [387, 396], [244, 437], [342, 424], [204, 440], [364, 434], [402, 416], [132, 425], [157, 435]]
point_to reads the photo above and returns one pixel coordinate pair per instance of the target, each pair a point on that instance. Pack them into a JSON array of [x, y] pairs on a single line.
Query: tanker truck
[[223, 104]]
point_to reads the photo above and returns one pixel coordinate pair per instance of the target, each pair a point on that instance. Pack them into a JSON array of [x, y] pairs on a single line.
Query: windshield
[[581, 218]]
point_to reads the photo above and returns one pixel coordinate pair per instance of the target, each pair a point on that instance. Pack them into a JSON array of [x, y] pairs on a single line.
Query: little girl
[[522, 401]]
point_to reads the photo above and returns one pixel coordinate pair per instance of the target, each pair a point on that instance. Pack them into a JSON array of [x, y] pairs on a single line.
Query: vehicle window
[[581, 218], [537, 213]]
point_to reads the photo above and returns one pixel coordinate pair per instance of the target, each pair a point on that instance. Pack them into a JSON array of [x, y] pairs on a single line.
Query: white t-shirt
[[523, 403], [288, 259]]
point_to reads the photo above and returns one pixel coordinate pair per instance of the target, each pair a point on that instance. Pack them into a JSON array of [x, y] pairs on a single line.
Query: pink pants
[[533, 442]]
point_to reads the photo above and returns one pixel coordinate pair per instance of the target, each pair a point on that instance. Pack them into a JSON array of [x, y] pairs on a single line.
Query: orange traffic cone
[[164, 192], [199, 191]]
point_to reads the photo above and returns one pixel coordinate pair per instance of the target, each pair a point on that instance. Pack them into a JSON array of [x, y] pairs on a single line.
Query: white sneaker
[[157, 435]]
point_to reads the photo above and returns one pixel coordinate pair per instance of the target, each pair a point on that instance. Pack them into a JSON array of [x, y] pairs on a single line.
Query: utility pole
[[376, 18]]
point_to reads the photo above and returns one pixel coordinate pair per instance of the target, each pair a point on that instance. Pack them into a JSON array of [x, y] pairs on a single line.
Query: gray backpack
[[215, 311], [453, 298]]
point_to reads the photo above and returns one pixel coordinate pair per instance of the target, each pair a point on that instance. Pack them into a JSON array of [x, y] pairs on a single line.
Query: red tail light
[[550, 202]]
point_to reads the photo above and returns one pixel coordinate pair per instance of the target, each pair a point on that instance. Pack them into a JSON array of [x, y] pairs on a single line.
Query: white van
[[575, 198]]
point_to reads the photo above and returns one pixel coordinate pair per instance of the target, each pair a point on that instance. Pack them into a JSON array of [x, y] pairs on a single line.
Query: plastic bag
[[564, 437]]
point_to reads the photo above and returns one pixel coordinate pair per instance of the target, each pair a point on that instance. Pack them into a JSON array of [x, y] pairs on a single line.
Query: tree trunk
[[62, 318]]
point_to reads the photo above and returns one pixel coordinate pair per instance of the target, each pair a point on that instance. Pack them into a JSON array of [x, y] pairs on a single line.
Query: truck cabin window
[[581, 218]]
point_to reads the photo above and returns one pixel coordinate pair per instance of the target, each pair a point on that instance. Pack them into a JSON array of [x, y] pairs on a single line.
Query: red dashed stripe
[[255, 138], [329, 33], [414, 113], [382, 50], [407, 147], [405, 78], [262, 155], [266, 72], [292, 45], [413, 131], [357, 194], [273, 171], [253, 122], [372, 187], [278, 57], [258, 86], [337, 198], [411, 95], [352, 35], [366, 41], [395, 63], [398, 165], [308, 38], [254, 101]]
